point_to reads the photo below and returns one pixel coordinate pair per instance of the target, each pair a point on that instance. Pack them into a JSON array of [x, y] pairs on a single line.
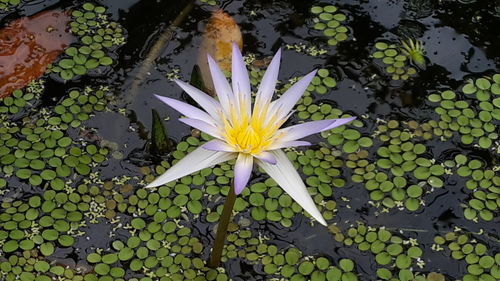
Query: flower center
[[250, 134], [247, 139]]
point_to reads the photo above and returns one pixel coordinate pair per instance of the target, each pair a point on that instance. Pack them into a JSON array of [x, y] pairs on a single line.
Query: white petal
[[187, 109], [284, 144], [287, 101], [299, 131], [266, 156], [287, 177], [268, 83], [202, 126], [210, 105], [222, 88], [218, 145], [197, 160], [242, 171], [241, 83]]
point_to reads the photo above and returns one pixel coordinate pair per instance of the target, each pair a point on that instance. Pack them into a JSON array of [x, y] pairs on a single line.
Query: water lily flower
[[250, 136]]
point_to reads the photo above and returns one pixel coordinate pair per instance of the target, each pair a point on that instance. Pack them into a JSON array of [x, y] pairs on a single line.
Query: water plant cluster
[[5, 5], [397, 257], [403, 171], [209, 2], [20, 101], [463, 246], [482, 185], [97, 37], [39, 149], [473, 114], [329, 20], [396, 60]]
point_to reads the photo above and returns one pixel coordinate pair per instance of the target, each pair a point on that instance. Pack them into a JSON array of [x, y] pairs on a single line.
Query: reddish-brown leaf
[[28, 45]]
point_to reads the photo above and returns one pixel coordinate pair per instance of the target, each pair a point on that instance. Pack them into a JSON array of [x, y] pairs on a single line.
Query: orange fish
[[28, 45], [220, 32]]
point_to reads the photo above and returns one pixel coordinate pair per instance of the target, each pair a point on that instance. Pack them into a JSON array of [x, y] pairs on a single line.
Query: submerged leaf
[[160, 143], [197, 78]]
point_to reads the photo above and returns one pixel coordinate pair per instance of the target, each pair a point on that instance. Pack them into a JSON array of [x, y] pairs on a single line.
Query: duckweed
[[42, 153], [209, 2], [402, 172], [329, 20], [483, 186], [21, 101], [322, 82], [40, 223], [154, 240], [473, 116], [392, 254], [98, 38], [5, 5], [462, 246], [395, 61]]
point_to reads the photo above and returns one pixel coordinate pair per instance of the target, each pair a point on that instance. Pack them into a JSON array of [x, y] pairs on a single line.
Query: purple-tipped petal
[[286, 177], [286, 144], [239, 77], [268, 82], [186, 109], [242, 171], [197, 160], [210, 105], [287, 101], [266, 157], [218, 145], [202, 126], [299, 131], [340, 122], [222, 88]]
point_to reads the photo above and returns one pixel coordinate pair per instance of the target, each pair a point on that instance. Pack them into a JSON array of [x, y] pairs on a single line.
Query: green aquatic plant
[[483, 185], [41, 222], [311, 50], [157, 250], [97, 39], [403, 155], [5, 5], [30, 266], [21, 101], [473, 116], [160, 143], [463, 246], [329, 20], [395, 61], [209, 2], [414, 50], [38, 150], [394, 255]]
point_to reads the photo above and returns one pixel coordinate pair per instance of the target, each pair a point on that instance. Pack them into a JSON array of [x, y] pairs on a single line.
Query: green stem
[[220, 236]]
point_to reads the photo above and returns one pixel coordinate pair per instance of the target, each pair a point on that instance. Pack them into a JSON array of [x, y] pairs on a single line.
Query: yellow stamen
[[252, 135]]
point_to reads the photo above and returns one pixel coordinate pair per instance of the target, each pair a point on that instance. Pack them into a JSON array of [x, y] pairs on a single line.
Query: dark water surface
[[461, 41]]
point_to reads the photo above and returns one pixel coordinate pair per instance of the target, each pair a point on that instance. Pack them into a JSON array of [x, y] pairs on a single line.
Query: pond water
[[410, 190]]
